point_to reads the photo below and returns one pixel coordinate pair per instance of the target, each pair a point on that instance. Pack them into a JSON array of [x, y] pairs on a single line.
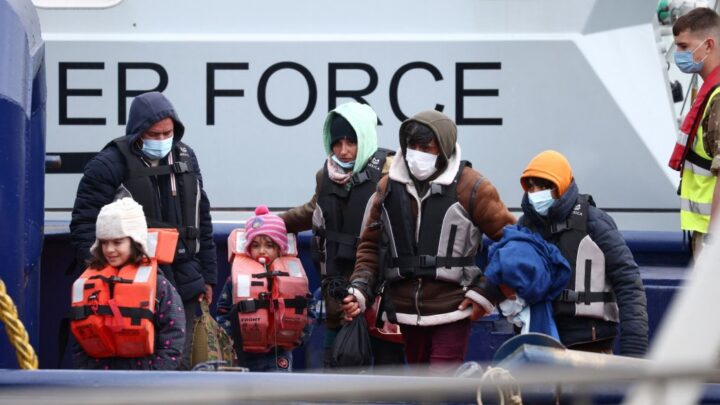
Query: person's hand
[[207, 295], [351, 307], [477, 311]]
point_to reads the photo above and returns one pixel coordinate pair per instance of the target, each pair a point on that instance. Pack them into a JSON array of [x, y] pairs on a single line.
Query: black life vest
[[338, 217], [588, 293], [139, 183], [448, 240]]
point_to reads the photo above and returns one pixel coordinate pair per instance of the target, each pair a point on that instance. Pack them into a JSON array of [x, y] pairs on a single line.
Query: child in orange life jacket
[[122, 241], [265, 240]]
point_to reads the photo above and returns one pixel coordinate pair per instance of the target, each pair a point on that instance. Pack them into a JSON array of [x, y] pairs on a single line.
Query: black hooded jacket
[[102, 180], [621, 271]]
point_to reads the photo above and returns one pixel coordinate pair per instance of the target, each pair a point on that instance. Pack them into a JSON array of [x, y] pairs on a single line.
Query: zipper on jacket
[[420, 202], [197, 215], [418, 222], [173, 187], [594, 333], [417, 299], [156, 185]]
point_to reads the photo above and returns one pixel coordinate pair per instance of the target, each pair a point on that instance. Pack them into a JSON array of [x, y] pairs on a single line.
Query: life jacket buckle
[[180, 167], [190, 232], [248, 306], [436, 189], [359, 178], [558, 227], [569, 296], [93, 300], [427, 261]]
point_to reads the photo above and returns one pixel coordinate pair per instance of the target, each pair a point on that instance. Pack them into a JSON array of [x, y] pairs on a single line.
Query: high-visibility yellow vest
[[698, 184]]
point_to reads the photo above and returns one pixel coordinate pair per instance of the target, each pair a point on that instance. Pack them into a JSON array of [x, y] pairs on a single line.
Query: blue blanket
[[534, 268]]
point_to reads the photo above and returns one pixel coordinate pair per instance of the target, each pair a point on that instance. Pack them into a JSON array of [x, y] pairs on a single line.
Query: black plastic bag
[[352, 348]]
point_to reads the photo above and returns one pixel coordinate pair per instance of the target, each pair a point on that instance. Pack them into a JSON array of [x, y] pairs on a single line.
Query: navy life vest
[[447, 242], [139, 184], [587, 294], [338, 217]]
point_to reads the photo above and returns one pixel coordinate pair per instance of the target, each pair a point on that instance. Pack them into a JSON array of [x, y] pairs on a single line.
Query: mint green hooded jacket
[[364, 121]]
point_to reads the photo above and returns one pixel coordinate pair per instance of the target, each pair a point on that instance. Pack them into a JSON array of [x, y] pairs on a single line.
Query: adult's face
[[535, 184], [160, 131], [431, 147], [345, 150], [699, 45]]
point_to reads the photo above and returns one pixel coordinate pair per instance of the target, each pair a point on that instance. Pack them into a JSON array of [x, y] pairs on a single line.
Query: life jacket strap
[[111, 281], [246, 306], [184, 232], [175, 167], [585, 297], [135, 314], [428, 261], [269, 274], [698, 160], [299, 303], [339, 237], [387, 305]]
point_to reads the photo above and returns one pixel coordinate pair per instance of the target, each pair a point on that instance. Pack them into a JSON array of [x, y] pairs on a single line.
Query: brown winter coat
[[299, 219], [430, 301]]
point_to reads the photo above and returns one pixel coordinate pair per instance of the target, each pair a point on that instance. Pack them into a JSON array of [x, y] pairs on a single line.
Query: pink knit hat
[[264, 223]]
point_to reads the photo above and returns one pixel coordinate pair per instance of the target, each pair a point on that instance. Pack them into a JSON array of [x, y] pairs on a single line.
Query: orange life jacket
[[271, 302], [113, 310]]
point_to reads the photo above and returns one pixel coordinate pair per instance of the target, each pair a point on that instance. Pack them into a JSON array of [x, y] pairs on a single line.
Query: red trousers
[[441, 346]]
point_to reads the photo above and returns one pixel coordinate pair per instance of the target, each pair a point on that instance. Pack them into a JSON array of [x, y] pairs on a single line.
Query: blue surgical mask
[[541, 201], [155, 149], [685, 62], [348, 165]]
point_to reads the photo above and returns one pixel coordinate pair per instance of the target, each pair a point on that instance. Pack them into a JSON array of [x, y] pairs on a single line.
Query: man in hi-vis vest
[[696, 153]]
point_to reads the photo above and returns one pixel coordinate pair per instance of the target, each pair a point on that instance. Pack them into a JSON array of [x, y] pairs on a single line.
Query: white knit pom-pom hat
[[119, 219]]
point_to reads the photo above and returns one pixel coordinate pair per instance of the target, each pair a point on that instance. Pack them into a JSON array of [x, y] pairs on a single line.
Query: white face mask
[[421, 164]]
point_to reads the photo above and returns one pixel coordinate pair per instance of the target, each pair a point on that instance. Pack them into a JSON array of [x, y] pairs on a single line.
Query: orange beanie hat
[[552, 166]]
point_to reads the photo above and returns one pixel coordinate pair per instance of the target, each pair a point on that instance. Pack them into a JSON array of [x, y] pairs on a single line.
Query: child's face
[[262, 246], [116, 251]]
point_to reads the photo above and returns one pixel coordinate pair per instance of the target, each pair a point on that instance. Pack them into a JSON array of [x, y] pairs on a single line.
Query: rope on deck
[[27, 359], [507, 387]]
